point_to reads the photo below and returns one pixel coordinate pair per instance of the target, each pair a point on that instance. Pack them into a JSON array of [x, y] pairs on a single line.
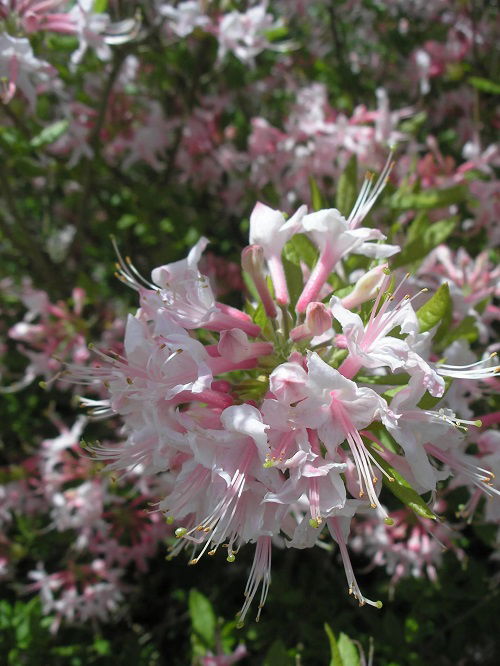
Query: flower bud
[[252, 262], [235, 346], [318, 318], [366, 287]]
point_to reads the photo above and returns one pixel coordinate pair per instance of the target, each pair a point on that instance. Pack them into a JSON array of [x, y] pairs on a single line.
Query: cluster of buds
[[278, 421]]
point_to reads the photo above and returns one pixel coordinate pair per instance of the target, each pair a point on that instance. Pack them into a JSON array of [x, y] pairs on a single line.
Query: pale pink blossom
[[185, 17], [38, 15], [20, 69], [244, 33]]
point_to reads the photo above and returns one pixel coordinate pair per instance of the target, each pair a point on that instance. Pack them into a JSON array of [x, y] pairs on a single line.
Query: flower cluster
[[344, 394], [412, 546], [51, 334], [275, 422], [106, 527]]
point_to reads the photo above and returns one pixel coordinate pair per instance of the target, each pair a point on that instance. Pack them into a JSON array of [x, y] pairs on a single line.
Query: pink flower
[[264, 431], [224, 659], [243, 33], [186, 17], [20, 69], [336, 237], [269, 230]]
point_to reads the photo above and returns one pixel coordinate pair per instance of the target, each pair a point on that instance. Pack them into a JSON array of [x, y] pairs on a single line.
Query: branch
[[95, 144]]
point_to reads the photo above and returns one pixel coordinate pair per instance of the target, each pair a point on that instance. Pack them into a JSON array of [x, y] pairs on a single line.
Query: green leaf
[[429, 401], [335, 658], [49, 134], [316, 198], [102, 647], [414, 123], [100, 6], [344, 291], [428, 199], [420, 247], [260, 317], [294, 280], [277, 655], [347, 189], [203, 617], [348, 651], [437, 308], [418, 226], [466, 330], [401, 379], [126, 221], [276, 33], [250, 286], [400, 487], [299, 248], [485, 85]]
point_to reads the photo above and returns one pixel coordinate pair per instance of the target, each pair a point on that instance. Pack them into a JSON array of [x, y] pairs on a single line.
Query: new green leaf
[[347, 188], [316, 198], [466, 330], [49, 134], [348, 651], [428, 199], [400, 487], [299, 248], [335, 658], [427, 240], [294, 280], [202, 617], [485, 85], [437, 309]]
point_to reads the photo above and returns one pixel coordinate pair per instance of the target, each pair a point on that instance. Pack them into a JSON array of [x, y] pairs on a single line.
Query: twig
[[21, 239], [337, 41], [94, 142]]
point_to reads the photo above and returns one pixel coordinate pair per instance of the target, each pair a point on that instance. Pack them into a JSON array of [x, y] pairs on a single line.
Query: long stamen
[[369, 194], [336, 532], [260, 573], [469, 371], [135, 272], [479, 476]]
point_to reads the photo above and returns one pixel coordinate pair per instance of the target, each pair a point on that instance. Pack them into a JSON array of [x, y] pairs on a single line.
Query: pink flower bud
[[366, 287], [252, 262], [222, 386], [79, 299], [318, 318], [235, 346]]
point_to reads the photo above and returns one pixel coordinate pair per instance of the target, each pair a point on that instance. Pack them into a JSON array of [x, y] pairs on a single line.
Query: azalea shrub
[[248, 341]]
